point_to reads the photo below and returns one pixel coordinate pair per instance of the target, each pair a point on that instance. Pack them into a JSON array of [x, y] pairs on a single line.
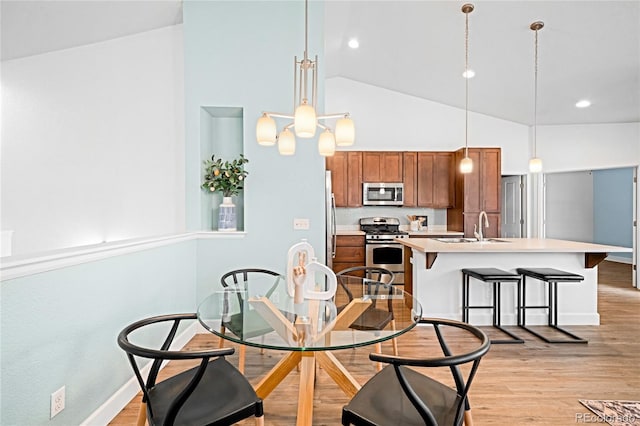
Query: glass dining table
[[263, 314]]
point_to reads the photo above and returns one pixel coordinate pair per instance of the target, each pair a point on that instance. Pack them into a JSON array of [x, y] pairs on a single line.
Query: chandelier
[[305, 118]]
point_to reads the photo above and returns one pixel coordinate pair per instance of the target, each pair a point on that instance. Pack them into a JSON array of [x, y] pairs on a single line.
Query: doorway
[[594, 206], [513, 206]]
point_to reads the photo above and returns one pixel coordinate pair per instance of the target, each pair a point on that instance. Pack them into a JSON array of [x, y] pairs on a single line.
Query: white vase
[[227, 215]]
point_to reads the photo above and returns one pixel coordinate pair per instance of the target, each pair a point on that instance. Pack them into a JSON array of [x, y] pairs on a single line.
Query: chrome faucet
[[478, 234]]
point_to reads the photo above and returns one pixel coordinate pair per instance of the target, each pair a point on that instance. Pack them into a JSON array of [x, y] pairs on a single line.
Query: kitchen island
[[432, 275]]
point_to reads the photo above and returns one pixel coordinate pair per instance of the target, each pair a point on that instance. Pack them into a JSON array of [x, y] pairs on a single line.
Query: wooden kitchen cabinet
[[350, 251], [435, 180], [346, 177], [409, 178], [477, 191], [382, 166]]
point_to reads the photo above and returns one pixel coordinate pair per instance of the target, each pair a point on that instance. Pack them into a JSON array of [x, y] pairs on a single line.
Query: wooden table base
[[307, 360]]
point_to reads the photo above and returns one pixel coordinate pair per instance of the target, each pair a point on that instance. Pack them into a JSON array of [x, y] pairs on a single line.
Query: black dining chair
[[246, 323], [212, 393], [379, 285], [399, 395]]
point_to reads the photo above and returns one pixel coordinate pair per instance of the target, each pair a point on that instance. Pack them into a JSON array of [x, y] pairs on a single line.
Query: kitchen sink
[[470, 240]]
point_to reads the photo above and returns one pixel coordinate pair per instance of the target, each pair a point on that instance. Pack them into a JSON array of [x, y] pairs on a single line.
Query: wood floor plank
[[532, 384]]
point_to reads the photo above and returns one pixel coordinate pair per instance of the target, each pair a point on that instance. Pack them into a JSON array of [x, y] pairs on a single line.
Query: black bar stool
[[551, 277], [496, 277]]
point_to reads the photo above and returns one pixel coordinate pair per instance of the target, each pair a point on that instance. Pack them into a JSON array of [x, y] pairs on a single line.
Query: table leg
[[338, 373], [277, 374], [305, 393]]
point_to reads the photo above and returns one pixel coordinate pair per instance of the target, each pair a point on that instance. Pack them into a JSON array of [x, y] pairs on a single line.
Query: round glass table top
[[259, 311]]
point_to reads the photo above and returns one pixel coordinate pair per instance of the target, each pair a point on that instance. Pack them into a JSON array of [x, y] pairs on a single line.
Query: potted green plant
[[227, 177]]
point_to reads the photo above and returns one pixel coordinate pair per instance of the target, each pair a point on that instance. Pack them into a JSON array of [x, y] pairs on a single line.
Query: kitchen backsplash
[[350, 216]]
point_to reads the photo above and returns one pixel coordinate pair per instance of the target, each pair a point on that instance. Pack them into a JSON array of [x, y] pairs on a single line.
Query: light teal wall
[[613, 208], [60, 327], [240, 54]]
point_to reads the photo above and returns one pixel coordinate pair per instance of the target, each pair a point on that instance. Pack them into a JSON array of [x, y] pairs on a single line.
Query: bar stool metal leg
[[495, 306], [552, 313]]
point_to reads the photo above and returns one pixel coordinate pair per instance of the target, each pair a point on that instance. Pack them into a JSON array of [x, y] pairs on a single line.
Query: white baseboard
[[123, 396]]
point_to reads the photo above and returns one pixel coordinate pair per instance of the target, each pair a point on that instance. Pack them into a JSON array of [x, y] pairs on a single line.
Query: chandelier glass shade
[[305, 117]]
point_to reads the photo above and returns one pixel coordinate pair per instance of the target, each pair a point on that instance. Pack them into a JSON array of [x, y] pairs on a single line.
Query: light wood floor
[[535, 383]]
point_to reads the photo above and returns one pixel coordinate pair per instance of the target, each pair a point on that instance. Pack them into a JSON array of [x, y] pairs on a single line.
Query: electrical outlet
[[300, 223], [57, 401]]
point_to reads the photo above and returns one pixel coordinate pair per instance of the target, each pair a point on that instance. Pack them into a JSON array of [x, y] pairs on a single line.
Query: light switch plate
[[300, 224]]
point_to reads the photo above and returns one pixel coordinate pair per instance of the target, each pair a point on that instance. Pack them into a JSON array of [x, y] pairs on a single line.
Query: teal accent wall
[[240, 54], [60, 327], [613, 208]]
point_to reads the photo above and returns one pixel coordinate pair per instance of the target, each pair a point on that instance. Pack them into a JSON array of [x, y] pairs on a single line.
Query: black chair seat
[[247, 324], [550, 274], [383, 399], [373, 319], [212, 403], [491, 274]]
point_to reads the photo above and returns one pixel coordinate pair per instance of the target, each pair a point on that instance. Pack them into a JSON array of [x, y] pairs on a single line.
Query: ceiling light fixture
[[466, 165], [535, 164], [305, 119], [584, 103], [354, 43]]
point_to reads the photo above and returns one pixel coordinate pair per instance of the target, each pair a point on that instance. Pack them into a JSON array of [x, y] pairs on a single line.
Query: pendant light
[[466, 165], [535, 164], [305, 118]]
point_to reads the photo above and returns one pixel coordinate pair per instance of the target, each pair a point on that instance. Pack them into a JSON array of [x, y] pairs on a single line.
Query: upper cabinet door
[[382, 166], [435, 180], [443, 180], [491, 179], [337, 165], [346, 177], [410, 179], [425, 179], [473, 183], [354, 173]]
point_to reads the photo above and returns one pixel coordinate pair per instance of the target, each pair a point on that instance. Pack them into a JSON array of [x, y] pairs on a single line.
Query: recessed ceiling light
[[469, 73], [354, 43], [583, 103]]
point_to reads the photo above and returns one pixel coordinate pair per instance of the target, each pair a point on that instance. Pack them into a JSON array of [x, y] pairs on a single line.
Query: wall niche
[[221, 134]]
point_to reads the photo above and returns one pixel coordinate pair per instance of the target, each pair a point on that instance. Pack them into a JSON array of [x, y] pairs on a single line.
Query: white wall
[[93, 142], [569, 206], [589, 146], [388, 120]]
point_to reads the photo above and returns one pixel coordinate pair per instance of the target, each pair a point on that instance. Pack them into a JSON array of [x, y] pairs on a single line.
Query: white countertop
[[428, 245]]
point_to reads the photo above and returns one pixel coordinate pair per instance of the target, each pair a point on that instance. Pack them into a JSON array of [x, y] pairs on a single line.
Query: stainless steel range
[[381, 250]]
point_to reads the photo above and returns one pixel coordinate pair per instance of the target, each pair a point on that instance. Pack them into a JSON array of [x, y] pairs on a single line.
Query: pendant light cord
[[535, 96], [466, 85]]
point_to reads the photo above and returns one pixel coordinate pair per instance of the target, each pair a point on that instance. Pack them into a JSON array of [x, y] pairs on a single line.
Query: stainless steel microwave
[[382, 194]]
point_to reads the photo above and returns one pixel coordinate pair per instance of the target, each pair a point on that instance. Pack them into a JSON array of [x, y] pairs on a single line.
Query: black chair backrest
[[162, 354], [453, 361], [381, 282], [238, 277]]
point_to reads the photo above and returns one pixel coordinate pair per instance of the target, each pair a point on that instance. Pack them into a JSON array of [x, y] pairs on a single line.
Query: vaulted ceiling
[[587, 49]]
